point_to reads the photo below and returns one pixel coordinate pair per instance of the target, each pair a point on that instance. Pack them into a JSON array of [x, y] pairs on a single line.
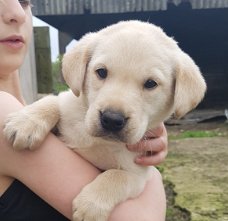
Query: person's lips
[[14, 41]]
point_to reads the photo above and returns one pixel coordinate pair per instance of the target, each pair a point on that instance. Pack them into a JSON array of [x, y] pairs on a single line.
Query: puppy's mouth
[[111, 125], [109, 136]]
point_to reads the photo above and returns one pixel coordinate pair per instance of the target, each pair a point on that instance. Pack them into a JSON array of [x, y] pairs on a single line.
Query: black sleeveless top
[[18, 203]]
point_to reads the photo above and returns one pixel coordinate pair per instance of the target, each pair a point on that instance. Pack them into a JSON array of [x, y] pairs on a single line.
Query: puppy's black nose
[[112, 121]]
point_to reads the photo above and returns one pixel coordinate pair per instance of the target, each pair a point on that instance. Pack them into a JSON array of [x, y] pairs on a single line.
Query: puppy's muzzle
[[112, 121]]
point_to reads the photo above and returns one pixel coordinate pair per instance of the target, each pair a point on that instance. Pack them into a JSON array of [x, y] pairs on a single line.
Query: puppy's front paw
[[88, 206], [24, 130]]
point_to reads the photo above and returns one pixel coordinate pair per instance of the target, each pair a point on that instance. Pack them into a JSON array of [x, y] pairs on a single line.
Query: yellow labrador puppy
[[124, 79]]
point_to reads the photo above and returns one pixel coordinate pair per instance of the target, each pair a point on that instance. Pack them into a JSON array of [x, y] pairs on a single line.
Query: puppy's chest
[[101, 156], [101, 153]]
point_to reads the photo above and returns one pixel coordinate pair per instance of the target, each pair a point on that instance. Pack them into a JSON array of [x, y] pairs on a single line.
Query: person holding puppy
[[41, 184]]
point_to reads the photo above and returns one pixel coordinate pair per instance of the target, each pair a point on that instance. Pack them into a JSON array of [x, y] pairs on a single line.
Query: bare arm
[[53, 172], [57, 180]]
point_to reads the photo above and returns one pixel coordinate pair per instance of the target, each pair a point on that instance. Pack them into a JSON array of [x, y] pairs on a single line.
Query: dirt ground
[[196, 174]]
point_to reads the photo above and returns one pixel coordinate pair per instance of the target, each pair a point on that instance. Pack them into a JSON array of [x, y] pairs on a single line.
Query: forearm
[[53, 171], [149, 206]]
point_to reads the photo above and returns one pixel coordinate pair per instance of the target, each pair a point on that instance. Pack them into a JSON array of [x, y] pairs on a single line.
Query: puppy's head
[[133, 76]]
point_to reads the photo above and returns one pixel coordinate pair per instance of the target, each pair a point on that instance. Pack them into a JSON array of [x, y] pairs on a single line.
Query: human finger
[[154, 159]]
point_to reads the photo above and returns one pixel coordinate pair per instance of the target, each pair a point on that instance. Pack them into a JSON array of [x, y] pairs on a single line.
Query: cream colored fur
[[132, 52]]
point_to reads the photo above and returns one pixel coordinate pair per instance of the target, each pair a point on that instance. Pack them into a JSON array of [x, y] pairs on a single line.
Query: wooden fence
[[36, 72], [28, 76], [79, 7]]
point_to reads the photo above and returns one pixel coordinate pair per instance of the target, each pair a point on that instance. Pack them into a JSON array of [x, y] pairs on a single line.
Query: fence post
[[28, 76], [43, 60]]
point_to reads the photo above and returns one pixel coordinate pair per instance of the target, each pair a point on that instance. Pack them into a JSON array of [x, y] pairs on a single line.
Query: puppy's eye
[[102, 73], [150, 84]]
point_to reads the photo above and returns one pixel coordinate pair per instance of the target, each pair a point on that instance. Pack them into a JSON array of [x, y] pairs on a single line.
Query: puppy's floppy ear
[[75, 63], [190, 85]]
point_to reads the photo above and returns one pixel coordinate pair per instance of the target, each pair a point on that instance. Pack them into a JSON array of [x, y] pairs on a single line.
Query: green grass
[[196, 134]]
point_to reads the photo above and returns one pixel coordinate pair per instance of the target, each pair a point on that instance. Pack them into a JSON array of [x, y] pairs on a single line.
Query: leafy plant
[[58, 81]]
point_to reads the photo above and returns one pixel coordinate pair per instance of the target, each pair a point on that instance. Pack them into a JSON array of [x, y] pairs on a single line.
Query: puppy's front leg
[[28, 127], [97, 199]]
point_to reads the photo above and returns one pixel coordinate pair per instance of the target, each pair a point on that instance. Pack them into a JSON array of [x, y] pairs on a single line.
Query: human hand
[[152, 148]]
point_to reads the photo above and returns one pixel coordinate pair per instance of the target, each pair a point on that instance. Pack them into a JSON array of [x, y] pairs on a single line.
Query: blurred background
[[195, 172]]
